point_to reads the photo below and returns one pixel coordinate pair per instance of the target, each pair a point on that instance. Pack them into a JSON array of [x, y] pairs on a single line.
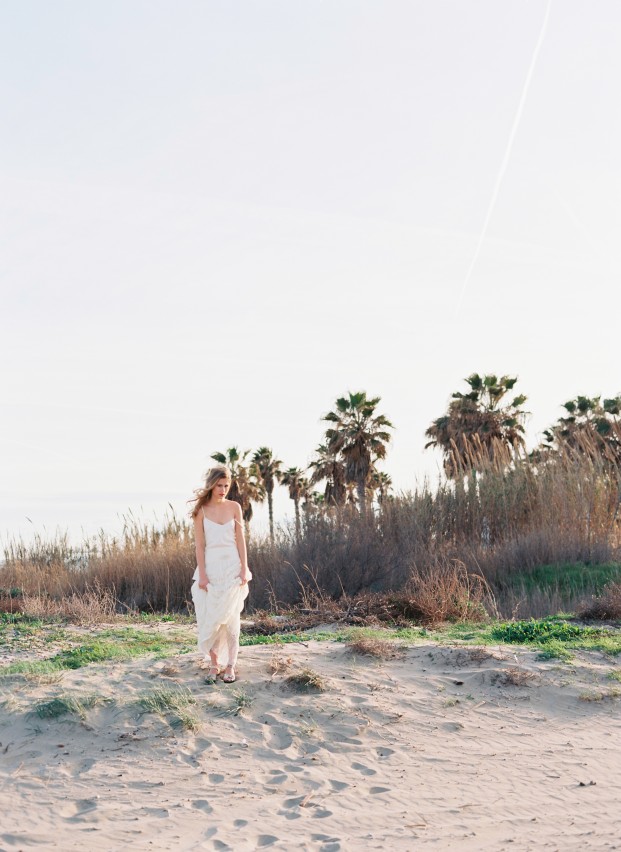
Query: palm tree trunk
[[270, 509], [362, 496], [297, 518]]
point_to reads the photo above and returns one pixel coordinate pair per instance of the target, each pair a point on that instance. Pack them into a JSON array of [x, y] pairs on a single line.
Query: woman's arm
[[199, 540], [240, 540]]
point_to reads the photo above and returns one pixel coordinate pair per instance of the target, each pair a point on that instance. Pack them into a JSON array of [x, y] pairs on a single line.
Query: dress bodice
[[219, 535]]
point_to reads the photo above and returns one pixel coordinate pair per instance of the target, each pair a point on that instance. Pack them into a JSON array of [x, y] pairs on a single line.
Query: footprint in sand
[[295, 801], [202, 805], [162, 813], [321, 813], [290, 814], [266, 840], [240, 823], [278, 777], [276, 734], [384, 752], [364, 770], [78, 810], [215, 778], [330, 844], [374, 791], [338, 785]]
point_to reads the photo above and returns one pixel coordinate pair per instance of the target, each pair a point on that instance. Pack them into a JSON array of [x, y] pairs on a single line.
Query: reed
[[501, 524]]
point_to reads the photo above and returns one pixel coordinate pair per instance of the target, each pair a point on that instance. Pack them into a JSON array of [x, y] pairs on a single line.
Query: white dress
[[218, 609]]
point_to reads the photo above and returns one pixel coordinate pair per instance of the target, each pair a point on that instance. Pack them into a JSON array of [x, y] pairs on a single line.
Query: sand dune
[[443, 748]]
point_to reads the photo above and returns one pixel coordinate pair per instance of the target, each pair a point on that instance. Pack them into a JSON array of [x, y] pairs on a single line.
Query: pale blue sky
[[217, 217]]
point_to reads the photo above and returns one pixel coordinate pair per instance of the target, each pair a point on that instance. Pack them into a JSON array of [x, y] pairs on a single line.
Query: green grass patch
[[280, 638], [541, 630], [18, 619], [109, 645], [345, 634], [62, 705], [174, 703], [241, 701], [555, 650], [568, 579], [553, 634], [162, 617]]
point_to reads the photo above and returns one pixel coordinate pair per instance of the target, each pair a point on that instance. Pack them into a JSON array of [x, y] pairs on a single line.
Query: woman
[[221, 578]]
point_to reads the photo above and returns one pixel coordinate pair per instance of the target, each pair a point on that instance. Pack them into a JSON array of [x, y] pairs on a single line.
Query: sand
[[443, 748]]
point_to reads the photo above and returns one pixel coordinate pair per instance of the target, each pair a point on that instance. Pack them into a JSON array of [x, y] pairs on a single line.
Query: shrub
[[604, 607], [446, 592], [498, 526]]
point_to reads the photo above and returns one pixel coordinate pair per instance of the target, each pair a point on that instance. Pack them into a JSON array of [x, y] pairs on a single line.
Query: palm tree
[[329, 466], [293, 478], [314, 501], [245, 487], [477, 428], [359, 436], [267, 470], [590, 427], [380, 483]]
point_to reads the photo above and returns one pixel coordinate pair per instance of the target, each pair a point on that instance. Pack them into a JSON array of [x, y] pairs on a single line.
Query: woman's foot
[[229, 674], [212, 674]]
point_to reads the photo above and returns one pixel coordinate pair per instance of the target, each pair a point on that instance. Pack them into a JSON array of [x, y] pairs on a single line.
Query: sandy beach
[[437, 748]]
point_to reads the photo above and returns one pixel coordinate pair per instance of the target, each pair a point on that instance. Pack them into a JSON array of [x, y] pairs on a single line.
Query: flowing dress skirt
[[218, 609]]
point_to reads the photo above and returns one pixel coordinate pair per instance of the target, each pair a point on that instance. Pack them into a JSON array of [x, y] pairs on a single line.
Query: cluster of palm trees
[[479, 426], [482, 426], [346, 462]]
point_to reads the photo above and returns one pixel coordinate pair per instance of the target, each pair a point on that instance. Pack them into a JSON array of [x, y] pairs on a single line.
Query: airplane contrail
[[505, 159]]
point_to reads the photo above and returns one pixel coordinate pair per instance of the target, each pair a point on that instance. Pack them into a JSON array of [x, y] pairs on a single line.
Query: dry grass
[[11, 603], [517, 677], [607, 695], [93, 606], [467, 656], [479, 655], [279, 665], [604, 607], [432, 555], [169, 671], [306, 680], [447, 592], [381, 649]]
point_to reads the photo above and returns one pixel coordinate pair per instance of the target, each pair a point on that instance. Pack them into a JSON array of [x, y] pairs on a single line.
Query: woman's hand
[[203, 582], [245, 576]]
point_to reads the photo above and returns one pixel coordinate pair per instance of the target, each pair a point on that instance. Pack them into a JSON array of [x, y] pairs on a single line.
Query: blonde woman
[[221, 578]]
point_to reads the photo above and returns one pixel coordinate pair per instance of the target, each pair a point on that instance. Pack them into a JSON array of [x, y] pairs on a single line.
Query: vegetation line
[[506, 532]]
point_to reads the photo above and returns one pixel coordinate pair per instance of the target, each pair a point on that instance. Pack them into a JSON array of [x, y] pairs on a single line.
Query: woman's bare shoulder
[[234, 505]]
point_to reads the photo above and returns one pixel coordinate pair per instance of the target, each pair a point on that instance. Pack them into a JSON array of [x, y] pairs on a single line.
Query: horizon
[[218, 220], [153, 507]]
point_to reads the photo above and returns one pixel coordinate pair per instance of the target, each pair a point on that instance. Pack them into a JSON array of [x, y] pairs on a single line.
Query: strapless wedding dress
[[218, 609]]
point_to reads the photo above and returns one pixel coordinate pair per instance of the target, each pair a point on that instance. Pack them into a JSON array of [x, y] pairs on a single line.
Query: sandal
[[229, 675], [212, 674]]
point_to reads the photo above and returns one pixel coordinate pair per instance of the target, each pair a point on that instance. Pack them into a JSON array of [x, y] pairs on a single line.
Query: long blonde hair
[[203, 495]]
